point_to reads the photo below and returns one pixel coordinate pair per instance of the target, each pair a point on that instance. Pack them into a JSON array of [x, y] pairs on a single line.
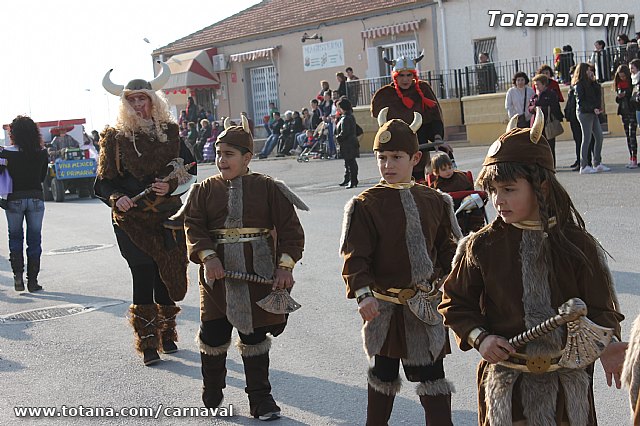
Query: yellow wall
[[369, 124]]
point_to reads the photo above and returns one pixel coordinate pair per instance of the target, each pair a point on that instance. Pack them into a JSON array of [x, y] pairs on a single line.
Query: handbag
[[523, 123], [6, 183], [553, 127]]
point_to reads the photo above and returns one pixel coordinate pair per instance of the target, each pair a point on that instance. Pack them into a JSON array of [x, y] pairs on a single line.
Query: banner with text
[[323, 55]]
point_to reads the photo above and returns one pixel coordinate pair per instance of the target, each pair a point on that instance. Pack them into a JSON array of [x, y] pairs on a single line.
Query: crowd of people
[[584, 107], [411, 278]]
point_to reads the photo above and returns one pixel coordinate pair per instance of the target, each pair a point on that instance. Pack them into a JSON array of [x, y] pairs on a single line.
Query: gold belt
[[238, 235], [399, 296], [532, 364]]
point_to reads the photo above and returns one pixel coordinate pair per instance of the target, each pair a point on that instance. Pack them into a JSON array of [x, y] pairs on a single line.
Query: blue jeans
[[271, 143], [33, 210]]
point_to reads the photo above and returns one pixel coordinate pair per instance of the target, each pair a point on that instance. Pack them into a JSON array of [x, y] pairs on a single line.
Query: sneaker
[[634, 163], [587, 170], [602, 168]]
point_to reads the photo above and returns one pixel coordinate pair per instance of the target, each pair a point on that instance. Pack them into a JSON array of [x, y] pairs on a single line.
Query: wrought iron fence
[[497, 77]]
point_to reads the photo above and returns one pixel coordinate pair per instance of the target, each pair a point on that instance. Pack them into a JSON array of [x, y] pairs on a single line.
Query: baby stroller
[[468, 206], [317, 146]]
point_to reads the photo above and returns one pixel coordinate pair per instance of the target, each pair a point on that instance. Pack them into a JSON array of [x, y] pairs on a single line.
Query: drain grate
[[52, 312], [79, 249]]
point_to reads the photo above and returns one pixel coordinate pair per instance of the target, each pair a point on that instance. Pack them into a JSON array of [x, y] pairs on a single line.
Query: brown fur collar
[[152, 162]]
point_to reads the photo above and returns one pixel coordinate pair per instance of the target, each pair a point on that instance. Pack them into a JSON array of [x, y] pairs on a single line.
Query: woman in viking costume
[[405, 95], [142, 152], [243, 231], [398, 240], [534, 264]]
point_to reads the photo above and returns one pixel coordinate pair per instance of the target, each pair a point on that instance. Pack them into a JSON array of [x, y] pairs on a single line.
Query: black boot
[[214, 372], [435, 398], [167, 326], [144, 319], [17, 266], [256, 370], [33, 268], [380, 397], [346, 180]]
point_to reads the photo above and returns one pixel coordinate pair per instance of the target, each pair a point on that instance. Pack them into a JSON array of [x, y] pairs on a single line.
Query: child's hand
[[612, 360], [368, 308], [213, 270], [495, 348], [282, 279]]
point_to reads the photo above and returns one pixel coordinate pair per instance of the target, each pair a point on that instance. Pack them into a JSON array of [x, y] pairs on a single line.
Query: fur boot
[[17, 266], [380, 397], [435, 397], [144, 320], [167, 327], [214, 372], [33, 269], [256, 370]]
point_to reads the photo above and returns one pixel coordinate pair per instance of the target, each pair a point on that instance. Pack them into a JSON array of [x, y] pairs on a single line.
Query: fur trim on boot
[[211, 350], [248, 351], [435, 387], [144, 320], [167, 327], [385, 388]]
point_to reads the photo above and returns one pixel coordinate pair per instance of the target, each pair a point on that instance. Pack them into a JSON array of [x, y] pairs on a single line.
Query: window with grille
[[408, 49], [614, 31], [264, 89], [487, 45]]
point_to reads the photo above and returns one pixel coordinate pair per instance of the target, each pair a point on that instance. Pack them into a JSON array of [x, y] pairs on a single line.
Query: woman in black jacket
[[589, 101], [27, 165], [348, 140], [623, 87], [547, 100]]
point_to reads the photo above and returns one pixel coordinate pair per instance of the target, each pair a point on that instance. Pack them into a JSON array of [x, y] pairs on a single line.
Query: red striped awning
[[192, 70], [389, 30], [253, 55]]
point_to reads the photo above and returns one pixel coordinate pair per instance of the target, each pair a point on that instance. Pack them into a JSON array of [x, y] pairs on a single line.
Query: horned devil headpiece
[[396, 135], [138, 84], [239, 136], [526, 146]]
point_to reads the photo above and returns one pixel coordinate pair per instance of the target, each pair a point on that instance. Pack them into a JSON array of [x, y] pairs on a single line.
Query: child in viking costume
[[405, 95], [535, 263], [134, 156], [243, 231], [397, 242]]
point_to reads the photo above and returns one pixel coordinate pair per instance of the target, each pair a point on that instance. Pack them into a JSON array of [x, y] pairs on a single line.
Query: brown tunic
[[431, 117], [264, 206], [485, 289], [458, 182], [376, 250]]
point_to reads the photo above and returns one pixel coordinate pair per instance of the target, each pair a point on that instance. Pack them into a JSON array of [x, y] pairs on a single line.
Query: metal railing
[[497, 76]]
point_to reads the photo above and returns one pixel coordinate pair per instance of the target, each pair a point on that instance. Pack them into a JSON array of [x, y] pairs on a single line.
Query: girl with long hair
[[589, 106], [27, 165], [517, 272]]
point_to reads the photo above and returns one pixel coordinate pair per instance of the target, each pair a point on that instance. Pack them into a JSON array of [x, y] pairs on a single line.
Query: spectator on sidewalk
[[316, 114], [324, 87], [353, 86], [518, 97], [553, 85], [486, 73], [342, 85], [601, 59], [627, 112], [272, 140]]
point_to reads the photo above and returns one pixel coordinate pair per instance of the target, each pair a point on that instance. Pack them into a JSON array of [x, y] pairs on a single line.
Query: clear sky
[[55, 52]]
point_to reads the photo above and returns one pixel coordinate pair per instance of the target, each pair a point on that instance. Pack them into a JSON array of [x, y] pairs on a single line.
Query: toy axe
[[278, 302], [180, 171], [586, 340]]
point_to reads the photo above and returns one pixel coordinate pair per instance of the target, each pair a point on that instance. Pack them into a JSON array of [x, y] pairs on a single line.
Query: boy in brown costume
[[247, 222], [398, 240]]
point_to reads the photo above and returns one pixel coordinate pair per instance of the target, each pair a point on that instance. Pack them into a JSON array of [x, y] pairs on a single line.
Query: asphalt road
[[318, 365]]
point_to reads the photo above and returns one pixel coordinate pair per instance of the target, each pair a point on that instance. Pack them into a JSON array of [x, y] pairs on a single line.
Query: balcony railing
[[497, 77]]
